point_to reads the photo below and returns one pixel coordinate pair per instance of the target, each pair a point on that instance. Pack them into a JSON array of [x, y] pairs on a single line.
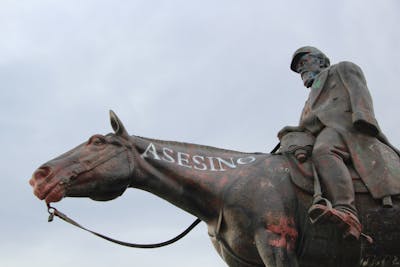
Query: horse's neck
[[189, 176]]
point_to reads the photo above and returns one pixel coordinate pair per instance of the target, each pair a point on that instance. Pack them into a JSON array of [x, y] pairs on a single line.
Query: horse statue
[[255, 212]]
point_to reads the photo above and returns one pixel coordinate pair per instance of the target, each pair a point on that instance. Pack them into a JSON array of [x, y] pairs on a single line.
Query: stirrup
[[319, 204]]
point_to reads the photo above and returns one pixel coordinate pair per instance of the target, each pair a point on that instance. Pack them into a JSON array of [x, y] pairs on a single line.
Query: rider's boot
[[345, 220], [338, 185]]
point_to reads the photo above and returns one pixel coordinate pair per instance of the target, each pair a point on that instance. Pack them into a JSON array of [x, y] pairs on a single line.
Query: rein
[[54, 212], [131, 155]]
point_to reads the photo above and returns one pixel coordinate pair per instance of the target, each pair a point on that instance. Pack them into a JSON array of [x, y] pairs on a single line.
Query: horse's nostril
[[42, 173]]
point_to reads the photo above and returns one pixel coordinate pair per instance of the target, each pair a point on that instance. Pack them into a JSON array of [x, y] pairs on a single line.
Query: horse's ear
[[117, 125]]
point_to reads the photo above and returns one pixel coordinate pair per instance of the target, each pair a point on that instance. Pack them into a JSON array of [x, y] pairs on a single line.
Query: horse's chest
[[233, 238]]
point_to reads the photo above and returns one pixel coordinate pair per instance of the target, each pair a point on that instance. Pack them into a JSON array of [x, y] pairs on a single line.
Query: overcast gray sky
[[208, 72]]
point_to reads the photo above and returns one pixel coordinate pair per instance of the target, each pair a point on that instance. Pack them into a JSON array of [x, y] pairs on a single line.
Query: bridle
[[132, 154]]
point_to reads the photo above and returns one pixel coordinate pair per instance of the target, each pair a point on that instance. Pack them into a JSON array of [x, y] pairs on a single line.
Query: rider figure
[[339, 113]]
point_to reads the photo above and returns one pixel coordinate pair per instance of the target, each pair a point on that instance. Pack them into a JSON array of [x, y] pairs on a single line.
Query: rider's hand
[[288, 129]]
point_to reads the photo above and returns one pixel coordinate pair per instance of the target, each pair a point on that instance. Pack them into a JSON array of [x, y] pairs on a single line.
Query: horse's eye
[[97, 140]]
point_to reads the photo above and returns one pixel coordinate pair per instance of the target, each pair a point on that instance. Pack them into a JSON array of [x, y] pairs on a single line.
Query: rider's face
[[309, 65]]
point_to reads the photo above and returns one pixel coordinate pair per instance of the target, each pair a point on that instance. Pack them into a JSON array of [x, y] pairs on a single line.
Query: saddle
[[297, 147]]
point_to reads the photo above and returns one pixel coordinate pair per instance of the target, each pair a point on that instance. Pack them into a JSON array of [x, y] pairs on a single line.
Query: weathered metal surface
[[255, 215], [339, 114], [257, 205], [384, 224]]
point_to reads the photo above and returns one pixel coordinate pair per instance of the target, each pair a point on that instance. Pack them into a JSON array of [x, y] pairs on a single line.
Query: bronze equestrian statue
[[257, 205]]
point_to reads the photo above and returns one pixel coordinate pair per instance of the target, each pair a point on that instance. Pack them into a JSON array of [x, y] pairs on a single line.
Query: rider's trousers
[[329, 156]]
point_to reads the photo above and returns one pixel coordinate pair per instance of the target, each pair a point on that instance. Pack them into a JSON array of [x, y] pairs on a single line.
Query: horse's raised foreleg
[[276, 247]]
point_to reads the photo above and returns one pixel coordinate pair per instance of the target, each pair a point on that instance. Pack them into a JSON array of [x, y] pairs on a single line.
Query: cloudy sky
[[208, 72]]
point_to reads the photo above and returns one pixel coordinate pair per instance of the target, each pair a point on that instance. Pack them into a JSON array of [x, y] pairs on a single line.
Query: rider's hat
[[307, 50]]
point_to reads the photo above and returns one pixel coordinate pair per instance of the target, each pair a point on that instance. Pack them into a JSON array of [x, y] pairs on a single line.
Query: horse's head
[[99, 168]]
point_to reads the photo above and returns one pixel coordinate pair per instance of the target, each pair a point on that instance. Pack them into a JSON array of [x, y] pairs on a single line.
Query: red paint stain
[[285, 233]]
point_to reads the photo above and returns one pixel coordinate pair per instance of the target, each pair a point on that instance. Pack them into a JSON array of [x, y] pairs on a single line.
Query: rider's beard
[[308, 78]]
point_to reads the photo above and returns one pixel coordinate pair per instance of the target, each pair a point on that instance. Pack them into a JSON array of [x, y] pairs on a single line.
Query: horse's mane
[[205, 147]]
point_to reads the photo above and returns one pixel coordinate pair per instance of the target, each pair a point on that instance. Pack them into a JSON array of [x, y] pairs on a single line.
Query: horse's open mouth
[[50, 191], [55, 194]]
